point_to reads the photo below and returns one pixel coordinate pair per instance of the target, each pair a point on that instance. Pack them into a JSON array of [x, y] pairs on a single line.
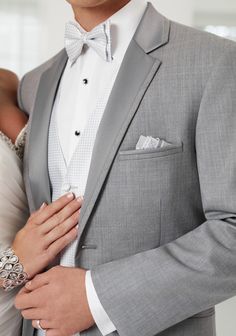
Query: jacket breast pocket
[[138, 154]]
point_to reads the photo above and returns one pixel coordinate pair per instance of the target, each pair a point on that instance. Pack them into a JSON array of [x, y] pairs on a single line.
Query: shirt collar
[[124, 24]]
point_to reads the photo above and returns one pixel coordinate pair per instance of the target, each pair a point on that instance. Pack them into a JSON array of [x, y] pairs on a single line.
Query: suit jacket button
[[66, 187]]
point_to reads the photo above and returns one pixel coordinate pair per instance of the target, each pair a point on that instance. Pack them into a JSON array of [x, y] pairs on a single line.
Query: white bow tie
[[99, 39]]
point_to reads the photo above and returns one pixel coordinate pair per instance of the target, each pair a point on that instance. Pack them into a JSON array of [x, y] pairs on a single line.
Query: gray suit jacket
[[159, 225]]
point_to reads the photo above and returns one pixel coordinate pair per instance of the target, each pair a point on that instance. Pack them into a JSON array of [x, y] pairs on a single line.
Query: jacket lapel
[[38, 137], [135, 75]]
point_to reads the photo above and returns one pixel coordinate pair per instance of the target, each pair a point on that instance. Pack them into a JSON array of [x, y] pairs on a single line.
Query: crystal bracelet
[[11, 270]]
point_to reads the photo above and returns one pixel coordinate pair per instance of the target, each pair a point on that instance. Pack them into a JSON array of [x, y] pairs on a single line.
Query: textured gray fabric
[[163, 222], [30, 102]]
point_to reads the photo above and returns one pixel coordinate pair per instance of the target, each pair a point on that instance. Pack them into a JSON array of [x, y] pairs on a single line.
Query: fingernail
[[80, 198], [70, 195], [43, 205], [77, 227]]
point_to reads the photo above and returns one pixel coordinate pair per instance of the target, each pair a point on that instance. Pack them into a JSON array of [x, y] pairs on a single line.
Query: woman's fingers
[[60, 217], [62, 229], [47, 212], [58, 245]]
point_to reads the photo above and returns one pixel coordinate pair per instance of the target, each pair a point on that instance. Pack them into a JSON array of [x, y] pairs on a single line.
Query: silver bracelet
[[11, 270]]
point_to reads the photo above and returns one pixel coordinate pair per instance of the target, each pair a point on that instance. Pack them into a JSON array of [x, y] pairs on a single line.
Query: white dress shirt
[[82, 85]]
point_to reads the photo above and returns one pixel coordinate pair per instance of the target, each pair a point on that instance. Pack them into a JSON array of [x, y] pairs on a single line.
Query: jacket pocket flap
[[149, 153]]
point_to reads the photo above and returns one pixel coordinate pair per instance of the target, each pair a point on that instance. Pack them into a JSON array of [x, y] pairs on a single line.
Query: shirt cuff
[[100, 317]]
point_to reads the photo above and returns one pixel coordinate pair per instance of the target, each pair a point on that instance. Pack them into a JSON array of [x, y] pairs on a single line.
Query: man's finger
[[45, 324], [27, 300], [37, 282], [23, 291], [33, 314], [53, 332]]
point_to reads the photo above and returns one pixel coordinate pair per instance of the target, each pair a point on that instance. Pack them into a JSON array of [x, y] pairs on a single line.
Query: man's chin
[[87, 3]]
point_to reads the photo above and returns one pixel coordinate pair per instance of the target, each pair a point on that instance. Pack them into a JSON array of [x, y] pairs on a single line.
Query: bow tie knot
[[84, 38], [99, 39]]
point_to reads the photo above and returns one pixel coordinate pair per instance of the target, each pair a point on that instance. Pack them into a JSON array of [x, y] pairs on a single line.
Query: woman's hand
[[47, 232]]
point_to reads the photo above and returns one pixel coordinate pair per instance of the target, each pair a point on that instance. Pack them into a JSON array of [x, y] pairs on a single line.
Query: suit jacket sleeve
[[28, 87], [153, 290], [27, 91]]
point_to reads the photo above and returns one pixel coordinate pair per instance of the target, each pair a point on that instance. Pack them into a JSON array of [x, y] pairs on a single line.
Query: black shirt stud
[[85, 81], [77, 133]]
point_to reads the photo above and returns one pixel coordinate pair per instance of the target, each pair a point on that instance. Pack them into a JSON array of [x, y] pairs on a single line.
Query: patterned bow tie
[[99, 39]]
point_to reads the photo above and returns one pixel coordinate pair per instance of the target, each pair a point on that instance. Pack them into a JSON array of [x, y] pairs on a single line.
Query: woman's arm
[[47, 232], [12, 119]]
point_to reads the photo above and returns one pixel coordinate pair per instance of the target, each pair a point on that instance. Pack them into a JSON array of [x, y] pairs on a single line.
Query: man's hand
[[58, 299]]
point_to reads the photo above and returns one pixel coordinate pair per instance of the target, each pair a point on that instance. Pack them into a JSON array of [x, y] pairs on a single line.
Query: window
[[19, 35], [223, 31], [219, 23]]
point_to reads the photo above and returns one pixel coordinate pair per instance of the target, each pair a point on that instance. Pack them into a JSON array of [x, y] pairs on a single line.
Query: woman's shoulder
[[8, 79]]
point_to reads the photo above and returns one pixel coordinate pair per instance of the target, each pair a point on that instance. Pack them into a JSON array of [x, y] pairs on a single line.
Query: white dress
[[13, 215]]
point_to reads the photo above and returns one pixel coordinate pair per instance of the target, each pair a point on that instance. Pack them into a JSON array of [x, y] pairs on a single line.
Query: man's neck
[[90, 17]]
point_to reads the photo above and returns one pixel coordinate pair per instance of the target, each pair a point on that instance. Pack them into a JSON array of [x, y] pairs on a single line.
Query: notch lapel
[[135, 75], [38, 134]]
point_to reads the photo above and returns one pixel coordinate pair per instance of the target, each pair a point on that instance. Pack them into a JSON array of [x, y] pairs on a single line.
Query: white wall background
[[52, 14], [216, 5]]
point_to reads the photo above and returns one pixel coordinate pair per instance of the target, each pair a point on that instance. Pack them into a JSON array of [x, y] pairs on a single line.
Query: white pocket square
[[148, 142]]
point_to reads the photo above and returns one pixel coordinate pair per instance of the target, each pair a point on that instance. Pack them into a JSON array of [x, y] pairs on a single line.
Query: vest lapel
[[135, 75], [38, 137]]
